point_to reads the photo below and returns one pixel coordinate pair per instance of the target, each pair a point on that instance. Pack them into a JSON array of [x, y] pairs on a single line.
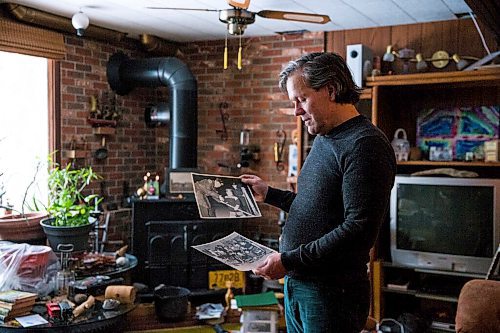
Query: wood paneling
[[457, 36]]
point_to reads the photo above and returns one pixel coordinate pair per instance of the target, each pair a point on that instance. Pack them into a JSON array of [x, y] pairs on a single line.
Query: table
[[94, 320], [115, 272]]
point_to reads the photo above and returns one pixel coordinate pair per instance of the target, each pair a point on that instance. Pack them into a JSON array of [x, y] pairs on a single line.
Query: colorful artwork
[[464, 129]]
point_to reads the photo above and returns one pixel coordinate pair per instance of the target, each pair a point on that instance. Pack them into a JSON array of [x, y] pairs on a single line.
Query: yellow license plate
[[218, 279]]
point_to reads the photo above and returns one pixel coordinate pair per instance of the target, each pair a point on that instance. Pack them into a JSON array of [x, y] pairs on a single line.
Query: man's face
[[311, 105]]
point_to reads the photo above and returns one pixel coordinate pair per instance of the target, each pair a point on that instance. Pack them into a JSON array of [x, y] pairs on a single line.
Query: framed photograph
[[222, 197], [179, 181]]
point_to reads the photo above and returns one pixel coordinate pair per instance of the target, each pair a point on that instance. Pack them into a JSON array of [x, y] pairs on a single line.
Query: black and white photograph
[[224, 197], [236, 251], [179, 181]]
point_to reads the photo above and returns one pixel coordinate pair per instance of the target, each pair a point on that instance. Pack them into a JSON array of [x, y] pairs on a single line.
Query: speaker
[[359, 60]]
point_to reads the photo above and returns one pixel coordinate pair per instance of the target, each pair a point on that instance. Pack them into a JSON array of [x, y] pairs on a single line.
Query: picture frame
[[179, 181]]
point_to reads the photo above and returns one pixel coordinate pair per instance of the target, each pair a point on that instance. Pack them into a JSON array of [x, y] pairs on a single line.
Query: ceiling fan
[[238, 17]]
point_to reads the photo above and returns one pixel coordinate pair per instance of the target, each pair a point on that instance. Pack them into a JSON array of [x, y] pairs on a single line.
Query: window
[[24, 128]]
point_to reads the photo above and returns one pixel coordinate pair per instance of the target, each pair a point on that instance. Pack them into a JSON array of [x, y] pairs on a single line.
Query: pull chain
[[225, 53], [239, 55]]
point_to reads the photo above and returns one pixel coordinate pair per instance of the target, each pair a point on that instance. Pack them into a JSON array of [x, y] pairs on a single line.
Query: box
[[491, 151], [259, 321]]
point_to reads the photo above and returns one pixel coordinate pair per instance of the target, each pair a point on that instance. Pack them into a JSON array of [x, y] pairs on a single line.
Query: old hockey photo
[[236, 251], [223, 197]]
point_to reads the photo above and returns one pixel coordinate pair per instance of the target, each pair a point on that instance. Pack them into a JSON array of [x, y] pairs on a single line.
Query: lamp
[[421, 63], [80, 22], [248, 152], [461, 63], [440, 59], [388, 55]]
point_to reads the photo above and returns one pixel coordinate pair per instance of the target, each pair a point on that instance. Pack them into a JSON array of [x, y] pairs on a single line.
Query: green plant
[[67, 203]]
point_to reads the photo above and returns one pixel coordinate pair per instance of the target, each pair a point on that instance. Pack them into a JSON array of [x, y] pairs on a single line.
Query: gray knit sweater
[[343, 194]]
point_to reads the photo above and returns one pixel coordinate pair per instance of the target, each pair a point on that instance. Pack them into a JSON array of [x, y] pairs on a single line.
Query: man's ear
[[331, 92]]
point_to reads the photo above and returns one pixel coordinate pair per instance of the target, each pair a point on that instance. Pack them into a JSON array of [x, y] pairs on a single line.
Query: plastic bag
[[27, 267]]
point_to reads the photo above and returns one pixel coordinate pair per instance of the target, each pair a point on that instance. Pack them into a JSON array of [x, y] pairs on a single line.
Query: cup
[[64, 279]]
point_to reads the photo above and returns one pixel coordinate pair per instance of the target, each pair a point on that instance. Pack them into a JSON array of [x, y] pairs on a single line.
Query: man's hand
[[259, 187], [272, 269]]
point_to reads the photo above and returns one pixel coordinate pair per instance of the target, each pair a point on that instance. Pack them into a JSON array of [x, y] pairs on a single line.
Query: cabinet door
[[167, 243]]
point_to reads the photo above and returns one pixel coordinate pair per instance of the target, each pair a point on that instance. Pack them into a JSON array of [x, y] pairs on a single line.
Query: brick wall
[[253, 98]]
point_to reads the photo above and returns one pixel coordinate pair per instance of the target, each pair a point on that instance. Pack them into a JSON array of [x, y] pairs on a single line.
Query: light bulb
[[80, 22], [421, 63], [461, 63], [388, 55]]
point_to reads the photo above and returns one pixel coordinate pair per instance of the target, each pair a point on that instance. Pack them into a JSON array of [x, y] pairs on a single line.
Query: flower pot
[[78, 236], [25, 228]]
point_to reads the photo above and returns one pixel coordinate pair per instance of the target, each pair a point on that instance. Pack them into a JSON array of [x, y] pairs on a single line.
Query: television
[[447, 224]]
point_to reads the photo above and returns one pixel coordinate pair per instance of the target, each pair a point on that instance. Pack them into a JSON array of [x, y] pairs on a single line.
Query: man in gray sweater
[[343, 196]]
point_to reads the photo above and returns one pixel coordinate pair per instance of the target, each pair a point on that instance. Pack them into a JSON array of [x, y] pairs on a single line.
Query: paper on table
[[31, 320], [236, 251]]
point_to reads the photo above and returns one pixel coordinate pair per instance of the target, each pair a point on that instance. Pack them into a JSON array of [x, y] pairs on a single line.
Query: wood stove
[[163, 232]]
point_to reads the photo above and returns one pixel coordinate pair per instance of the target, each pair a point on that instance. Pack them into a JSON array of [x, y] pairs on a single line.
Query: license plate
[[218, 279]]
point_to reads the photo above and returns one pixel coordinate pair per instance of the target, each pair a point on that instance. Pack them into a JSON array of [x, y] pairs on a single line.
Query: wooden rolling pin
[[84, 306], [124, 294]]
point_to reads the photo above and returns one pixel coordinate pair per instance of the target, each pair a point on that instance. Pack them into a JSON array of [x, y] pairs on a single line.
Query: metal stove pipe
[[124, 74]]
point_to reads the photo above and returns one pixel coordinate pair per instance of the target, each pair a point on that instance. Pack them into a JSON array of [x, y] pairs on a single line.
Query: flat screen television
[[448, 224]]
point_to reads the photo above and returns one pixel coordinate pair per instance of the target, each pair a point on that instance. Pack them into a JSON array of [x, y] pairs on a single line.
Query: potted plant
[[70, 209], [20, 226]]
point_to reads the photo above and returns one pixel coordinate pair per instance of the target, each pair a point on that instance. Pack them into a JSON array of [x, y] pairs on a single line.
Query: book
[[17, 296], [267, 299], [18, 304], [15, 312]]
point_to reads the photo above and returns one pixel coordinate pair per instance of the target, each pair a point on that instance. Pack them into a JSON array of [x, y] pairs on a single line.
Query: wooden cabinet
[[398, 99], [394, 101], [429, 294]]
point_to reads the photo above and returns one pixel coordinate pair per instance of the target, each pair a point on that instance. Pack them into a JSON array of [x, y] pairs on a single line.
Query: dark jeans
[[318, 307]]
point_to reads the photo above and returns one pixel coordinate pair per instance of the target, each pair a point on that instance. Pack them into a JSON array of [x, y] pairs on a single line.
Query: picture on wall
[[462, 129], [223, 197]]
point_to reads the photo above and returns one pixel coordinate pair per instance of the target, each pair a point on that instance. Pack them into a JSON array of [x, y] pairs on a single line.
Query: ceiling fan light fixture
[[236, 20]]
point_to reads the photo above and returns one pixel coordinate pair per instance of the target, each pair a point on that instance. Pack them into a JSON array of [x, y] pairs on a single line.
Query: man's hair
[[320, 69]]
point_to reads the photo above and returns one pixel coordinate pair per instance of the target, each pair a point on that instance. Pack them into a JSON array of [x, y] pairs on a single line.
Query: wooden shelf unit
[[397, 100]]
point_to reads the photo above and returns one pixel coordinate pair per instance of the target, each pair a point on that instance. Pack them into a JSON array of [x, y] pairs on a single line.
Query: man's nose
[[298, 110]]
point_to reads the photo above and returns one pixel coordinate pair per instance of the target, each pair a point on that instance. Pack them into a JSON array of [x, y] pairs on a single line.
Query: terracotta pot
[[18, 228]]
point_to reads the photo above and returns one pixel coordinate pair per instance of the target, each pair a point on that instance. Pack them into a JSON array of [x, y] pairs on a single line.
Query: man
[[343, 195], [204, 190]]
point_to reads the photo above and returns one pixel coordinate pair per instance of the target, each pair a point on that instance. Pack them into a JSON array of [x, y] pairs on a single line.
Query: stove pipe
[[124, 74]]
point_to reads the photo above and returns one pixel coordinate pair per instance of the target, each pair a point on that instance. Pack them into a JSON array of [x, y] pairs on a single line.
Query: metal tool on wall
[[279, 147], [224, 117], [102, 152]]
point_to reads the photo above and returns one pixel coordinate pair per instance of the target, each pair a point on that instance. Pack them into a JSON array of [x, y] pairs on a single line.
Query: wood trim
[[24, 39], [375, 105], [300, 144], [54, 108], [491, 74]]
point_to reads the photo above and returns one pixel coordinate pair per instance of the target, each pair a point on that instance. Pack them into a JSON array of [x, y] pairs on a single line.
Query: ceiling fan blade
[[194, 9], [294, 16], [243, 4]]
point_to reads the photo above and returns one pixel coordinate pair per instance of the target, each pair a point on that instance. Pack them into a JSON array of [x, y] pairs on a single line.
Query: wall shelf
[[450, 163]]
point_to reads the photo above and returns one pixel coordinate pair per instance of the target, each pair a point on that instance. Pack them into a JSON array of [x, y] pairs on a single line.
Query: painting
[[463, 129]]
